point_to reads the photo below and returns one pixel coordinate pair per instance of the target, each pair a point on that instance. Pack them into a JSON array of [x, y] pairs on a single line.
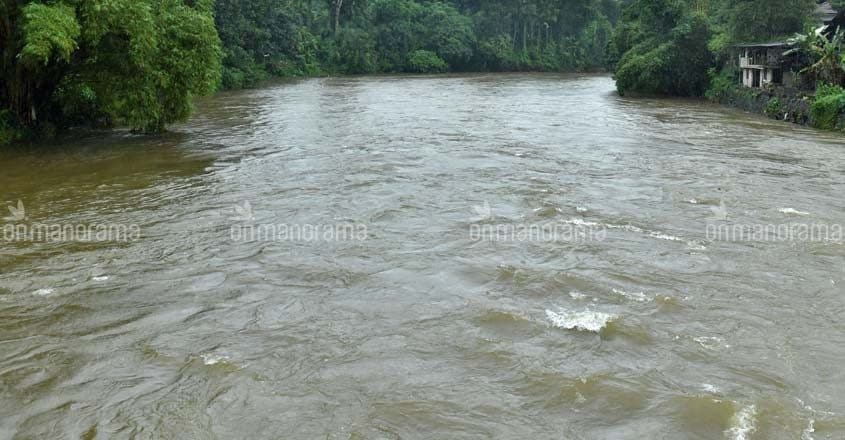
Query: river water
[[336, 258]]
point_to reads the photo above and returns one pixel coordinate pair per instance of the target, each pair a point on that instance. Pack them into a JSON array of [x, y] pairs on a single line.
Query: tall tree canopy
[[138, 63], [668, 46], [130, 62], [302, 37]]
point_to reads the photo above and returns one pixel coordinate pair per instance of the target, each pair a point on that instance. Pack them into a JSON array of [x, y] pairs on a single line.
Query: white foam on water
[[743, 424], [692, 201], [44, 292], [663, 236], [587, 320], [711, 342], [636, 296], [581, 209], [709, 388], [630, 228], [792, 211], [577, 295], [101, 278], [211, 359], [807, 434], [696, 245], [581, 222]]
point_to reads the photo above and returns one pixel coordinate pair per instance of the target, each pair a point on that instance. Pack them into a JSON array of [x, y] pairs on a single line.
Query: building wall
[[746, 77], [766, 75]]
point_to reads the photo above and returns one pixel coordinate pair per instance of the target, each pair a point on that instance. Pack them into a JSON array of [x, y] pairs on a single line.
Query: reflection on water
[[420, 330]]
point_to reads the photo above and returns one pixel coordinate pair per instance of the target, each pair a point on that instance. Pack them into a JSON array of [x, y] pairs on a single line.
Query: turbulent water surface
[[462, 257]]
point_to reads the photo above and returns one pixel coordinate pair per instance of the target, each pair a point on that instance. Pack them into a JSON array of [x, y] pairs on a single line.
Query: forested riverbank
[[139, 63], [690, 48], [296, 38]]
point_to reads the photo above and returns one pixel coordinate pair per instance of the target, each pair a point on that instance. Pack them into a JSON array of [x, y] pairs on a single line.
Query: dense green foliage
[[828, 104], [773, 107], [825, 57], [662, 49], [669, 46], [138, 63], [135, 63], [265, 38], [426, 61], [761, 20], [722, 83]]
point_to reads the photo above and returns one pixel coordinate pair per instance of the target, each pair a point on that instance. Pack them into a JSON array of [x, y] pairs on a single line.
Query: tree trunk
[[524, 36], [336, 15]]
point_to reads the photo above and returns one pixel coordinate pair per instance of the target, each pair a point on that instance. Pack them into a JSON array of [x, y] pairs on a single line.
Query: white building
[[761, 64]]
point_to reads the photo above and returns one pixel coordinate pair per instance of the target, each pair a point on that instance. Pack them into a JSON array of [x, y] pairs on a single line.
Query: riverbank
[[784, 104]]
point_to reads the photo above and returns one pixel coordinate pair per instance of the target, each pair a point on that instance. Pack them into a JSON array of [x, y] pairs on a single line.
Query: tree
[[762, 20], [128, 62], [667, 46], [826, 57], [661, 48]]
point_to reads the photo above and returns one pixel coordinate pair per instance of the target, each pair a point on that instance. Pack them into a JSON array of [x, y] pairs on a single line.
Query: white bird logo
[[243, 213], [484, 212], [18, 214], [720, 212]]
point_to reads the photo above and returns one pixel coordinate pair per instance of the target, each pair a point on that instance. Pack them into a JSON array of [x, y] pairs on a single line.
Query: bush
[[828, 104], [240, 69], [445, 31], [721, 84], [425, 61], [773, 107], [355, 52], [662, 51], [497, 53], [8, 131]]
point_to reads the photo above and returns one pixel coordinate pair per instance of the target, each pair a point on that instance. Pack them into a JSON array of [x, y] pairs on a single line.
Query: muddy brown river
[[515, 256]]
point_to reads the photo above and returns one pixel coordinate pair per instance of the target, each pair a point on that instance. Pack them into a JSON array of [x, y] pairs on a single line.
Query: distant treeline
[[138, 63], [304, 37]]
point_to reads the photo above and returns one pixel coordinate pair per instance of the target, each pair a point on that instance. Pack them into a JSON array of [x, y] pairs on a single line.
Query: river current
[[466, 257]]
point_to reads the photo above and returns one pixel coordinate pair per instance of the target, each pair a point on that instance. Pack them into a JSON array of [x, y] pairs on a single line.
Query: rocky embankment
[[780, 103]]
